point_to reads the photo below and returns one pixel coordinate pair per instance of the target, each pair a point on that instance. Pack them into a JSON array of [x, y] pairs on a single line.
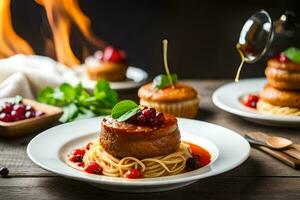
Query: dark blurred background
[[202, 34]]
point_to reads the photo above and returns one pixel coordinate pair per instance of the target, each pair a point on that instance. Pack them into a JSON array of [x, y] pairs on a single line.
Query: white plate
[[135, 78], [50, 148], [227, 98]]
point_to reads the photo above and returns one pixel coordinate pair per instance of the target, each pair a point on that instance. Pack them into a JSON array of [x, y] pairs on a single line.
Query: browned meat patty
[[122, 139]]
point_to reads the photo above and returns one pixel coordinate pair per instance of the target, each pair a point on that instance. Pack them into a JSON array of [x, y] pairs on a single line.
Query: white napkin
[[27, 75]]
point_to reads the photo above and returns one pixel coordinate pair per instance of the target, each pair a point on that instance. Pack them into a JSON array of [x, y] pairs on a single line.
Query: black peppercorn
[[4, 171]]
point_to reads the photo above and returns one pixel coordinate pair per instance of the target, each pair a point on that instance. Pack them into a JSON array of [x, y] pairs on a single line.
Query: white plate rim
[[246, 112], [149, 181]]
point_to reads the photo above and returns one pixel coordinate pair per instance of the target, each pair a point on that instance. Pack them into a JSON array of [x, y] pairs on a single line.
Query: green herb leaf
[[293, 54], [123, 108], [128, 114], [78, 103], [70, 112], [162, 81]]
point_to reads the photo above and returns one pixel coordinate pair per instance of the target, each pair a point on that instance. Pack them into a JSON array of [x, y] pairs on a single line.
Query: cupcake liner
[[186, 108]]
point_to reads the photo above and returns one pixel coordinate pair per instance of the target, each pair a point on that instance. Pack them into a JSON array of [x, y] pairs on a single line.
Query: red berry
[[7, 108], [88, 146], [93, 168], [149, 112], [6, 117], [29, 108], [16, 116], [78, 152], [76, 158], [29, 114], [112, 54], [160, 117], [20, 110], [250, 101], [282, 57], [133, 173], [80, 164], [141, 120], [194, 161]]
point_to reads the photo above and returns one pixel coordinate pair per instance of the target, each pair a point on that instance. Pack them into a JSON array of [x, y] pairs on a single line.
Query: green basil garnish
[[124, 110], [293, 54], [162, 80]]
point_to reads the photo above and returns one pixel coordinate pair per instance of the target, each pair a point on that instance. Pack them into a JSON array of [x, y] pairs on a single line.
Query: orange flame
[[10, 42], [61, 15]]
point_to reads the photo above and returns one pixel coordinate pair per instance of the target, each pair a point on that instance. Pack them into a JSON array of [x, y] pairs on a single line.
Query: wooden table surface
[[260, 177]]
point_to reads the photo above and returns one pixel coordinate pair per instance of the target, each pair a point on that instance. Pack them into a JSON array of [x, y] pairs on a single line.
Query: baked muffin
[[283, 73], [109, 65], [179, 99]]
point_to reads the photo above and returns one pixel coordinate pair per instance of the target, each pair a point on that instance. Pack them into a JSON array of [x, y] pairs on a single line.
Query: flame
[[62, 14], [10, 42]]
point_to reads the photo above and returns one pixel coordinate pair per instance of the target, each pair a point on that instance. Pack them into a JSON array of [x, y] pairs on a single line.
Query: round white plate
[[227, 98], [135, 78], [50, 148]]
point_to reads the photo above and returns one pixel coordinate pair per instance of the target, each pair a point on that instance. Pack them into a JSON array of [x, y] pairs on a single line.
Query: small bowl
[[31, 125]]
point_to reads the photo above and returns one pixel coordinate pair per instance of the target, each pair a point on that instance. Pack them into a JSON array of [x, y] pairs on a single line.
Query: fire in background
[[63, 18]]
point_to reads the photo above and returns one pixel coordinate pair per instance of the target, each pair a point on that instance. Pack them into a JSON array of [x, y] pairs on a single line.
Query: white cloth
[[27, 75]]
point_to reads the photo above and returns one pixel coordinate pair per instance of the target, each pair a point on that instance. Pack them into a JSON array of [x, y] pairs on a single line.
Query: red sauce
[[204, 155]]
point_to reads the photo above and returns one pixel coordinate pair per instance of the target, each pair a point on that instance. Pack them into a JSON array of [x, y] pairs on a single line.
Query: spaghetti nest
[[267, 108], [171, 164]]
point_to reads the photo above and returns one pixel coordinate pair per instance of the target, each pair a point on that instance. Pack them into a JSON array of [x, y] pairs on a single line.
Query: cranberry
[[6, 117], [80, 164], [112, 54], [93, 168], [17, 116], [133, 173], [149, 112], [29, 114], [88, 146], [141, 120], [76, 158], [160, 117], [7, 108], [29, 108], [20, 109], [193, 162], [250, 101], [78, 152], [282, 57]]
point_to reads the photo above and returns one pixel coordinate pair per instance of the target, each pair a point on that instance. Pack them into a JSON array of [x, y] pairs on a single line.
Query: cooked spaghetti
[[267, 108], [171, 164]]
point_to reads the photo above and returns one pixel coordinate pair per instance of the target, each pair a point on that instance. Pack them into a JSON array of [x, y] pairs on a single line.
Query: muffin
[[179, 99], [109, 65]]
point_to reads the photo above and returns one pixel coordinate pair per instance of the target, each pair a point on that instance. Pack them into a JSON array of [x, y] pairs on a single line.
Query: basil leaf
[[122, 108], [70, 112], [162, 80], [128, 114], [78, 103], [293, 54], [68, 92]]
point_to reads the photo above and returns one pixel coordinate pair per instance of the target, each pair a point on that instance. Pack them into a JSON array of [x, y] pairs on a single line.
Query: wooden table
[[260, 177]]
